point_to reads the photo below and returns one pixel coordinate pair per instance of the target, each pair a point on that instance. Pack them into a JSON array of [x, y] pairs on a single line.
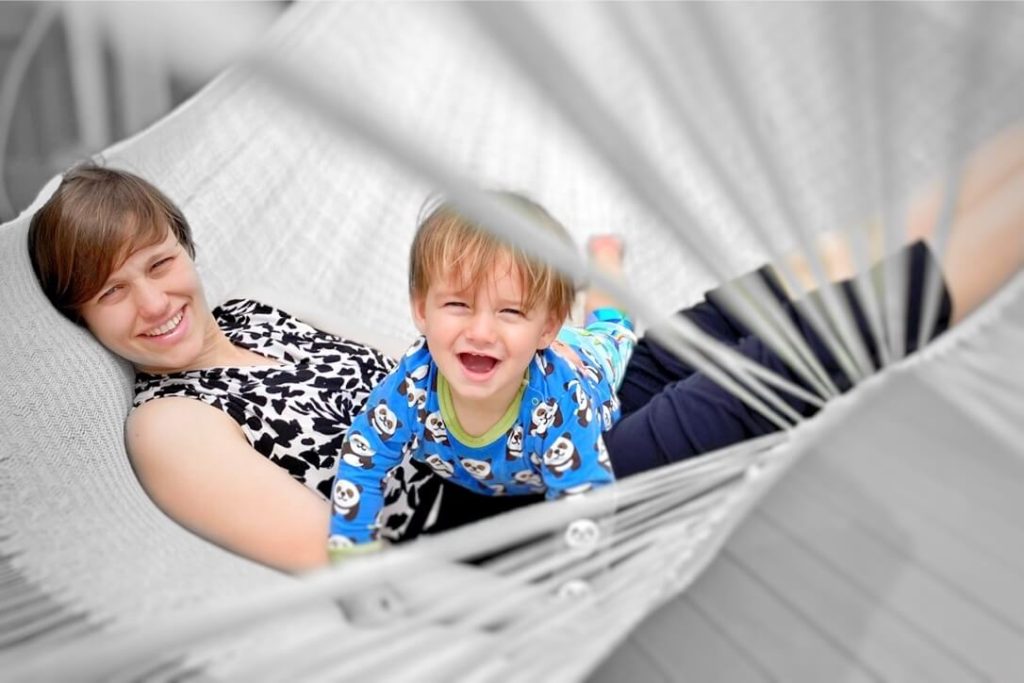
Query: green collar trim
[[451, 420]]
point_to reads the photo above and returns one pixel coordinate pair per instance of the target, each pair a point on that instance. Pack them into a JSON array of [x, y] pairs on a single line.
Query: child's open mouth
[[476, 365]]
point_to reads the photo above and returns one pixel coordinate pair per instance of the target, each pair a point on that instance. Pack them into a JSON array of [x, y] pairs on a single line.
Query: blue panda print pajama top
[[550, 440]]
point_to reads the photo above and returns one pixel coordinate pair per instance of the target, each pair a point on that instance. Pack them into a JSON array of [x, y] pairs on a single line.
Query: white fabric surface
[[274, 196]]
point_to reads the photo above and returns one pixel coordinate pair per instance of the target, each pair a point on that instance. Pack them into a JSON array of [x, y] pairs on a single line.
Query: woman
[[132, 282], [239, 413]]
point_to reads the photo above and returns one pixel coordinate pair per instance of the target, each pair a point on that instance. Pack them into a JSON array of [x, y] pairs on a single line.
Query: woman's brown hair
[[96, 219]]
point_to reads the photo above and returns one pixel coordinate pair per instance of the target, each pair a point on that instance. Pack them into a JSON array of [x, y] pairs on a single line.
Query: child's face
[[483, 340]]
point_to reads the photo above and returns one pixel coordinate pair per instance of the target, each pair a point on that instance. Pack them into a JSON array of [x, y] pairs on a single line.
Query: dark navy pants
[[670, 412]]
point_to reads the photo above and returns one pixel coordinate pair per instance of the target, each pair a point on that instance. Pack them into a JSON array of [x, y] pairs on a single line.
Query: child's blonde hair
[[447, 242]]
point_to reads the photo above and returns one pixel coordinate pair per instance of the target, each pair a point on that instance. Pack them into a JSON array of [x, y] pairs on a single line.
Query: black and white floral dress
[[296, 413]]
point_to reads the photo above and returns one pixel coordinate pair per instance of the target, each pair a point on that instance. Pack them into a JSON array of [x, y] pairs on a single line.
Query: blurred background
[[77, 76]]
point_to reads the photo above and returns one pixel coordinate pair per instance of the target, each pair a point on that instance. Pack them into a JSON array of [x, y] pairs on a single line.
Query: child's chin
[[480, 388], [477, 387]]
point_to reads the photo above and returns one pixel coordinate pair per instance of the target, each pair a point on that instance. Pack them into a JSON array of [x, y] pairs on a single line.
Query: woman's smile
[[167, 328]]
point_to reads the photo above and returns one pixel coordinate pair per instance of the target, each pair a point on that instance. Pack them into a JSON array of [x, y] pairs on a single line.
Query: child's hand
[[340, 554]]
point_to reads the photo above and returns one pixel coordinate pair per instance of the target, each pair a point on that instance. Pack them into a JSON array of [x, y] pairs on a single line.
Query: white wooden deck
[[894, 551]]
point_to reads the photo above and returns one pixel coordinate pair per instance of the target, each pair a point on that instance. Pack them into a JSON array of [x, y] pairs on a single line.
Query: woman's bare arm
[[195, 463]]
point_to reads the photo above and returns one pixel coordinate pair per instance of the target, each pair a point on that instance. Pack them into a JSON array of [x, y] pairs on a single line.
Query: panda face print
[[416, 346], [384, 421], [584, 415], [497, 489], [528, 478], [514, 443], [545, 367], [562, 457], [357, 452], [602, 455], [436, 431], [591, 373], [606, 415], [414, 396], [440, 465], [478, 469], [346, 498], [545, 416], [411, 446]]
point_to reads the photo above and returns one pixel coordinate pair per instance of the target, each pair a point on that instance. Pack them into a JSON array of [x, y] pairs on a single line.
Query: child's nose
[[481, 327]]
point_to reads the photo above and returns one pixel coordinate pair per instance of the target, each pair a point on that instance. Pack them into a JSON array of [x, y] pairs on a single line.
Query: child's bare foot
[[606, 252]]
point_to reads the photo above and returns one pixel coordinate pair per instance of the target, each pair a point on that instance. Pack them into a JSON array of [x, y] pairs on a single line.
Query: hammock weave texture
[[892, 547]]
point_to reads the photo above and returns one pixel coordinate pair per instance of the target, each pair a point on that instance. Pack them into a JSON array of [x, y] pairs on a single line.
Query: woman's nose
[[151, 300]]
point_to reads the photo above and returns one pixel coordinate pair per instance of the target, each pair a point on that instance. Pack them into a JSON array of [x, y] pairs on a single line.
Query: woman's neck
[[217, 351]]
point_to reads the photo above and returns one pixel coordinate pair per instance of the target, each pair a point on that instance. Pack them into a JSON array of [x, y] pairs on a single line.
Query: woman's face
[[151, 311]]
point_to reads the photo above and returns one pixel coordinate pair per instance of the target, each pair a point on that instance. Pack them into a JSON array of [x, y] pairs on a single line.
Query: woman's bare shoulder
[[174, 422], [196, 465]]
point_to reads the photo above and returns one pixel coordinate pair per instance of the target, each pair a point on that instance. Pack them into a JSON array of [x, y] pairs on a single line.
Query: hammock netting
[[878, 540]]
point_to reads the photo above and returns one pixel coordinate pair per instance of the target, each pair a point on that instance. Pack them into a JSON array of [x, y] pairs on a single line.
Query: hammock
[[870, 548]]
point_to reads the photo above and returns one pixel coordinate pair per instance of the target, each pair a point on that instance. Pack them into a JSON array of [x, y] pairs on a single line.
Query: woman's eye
[[162, 263], [109, 293]]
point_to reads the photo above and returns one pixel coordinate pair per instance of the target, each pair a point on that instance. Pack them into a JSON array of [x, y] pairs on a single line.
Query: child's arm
[[356, 497], [374, 444], [574, 458]]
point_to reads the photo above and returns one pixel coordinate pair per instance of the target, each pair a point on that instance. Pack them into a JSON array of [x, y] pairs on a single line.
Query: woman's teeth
[[166, 327]]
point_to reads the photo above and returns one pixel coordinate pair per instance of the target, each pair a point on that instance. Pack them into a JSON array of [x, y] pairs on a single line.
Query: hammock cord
[[535, 587]]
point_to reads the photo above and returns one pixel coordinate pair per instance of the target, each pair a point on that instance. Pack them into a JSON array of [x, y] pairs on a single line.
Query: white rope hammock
[[712, 138]]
